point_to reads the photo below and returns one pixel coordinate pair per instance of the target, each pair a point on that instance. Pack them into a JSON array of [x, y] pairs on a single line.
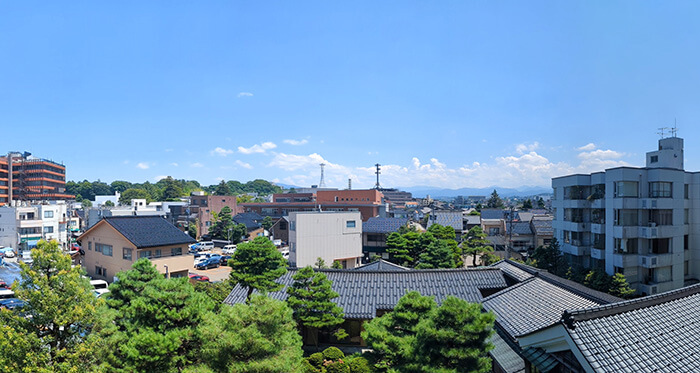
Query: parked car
[[12, 303], [224, 259], [3, 284], [196, 277], [229, 249], [207, 264], [8, 252], [205, 245], [100, 292], [74, 246]]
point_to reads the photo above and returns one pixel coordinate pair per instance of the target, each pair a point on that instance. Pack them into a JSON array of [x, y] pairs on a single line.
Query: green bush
[[338, 367], [333, 354], [316, 360], [306, 367], [358, 364]]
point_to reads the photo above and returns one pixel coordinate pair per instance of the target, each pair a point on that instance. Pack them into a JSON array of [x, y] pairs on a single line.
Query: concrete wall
[[325, 235]]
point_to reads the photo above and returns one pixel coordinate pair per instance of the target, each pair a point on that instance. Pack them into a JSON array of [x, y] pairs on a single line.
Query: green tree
[[336, 265], [155, 321], [244, 198], [192, 230], [455, 338], [320, 263], [120, 186], [223, 221], [133, 193], [53, 331], [550, 258], [476, 243], [267, 223], [257, 337], [527, 204], [437, 255], [109, 203], [86, 203], [474, 212], [311, 298], [598, 280], [172, 189], [222, 189], [397, 247], [619, 286], [256, 265], [495, 201], [540, 203]]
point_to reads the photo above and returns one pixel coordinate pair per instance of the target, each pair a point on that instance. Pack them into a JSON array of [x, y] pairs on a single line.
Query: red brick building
[[31, 178], [205, 207]]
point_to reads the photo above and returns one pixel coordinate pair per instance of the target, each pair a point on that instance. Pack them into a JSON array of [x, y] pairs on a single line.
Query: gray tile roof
[[506, 356], [362, 293], [498, 214], [251, 220], [532, 305], [658, 333], [448, 219], [542, 227], [381, 265], [148, 231], [473, 219], [383, 225], [512, 271], [520, 228]]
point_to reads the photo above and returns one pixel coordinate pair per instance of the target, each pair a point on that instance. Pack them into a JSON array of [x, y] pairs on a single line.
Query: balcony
[[656, 203], [655, 260], [625, 260], [663, 231], [651, 287], [597, 253], [575, 248]]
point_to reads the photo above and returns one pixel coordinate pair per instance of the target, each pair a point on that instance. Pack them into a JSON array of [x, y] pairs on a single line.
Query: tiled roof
[[498, 214], [473, 219], [381, 265], [250, 219], [543, 227], [148, 231], [512, 271], [525, 216], [505, 355], [362, 293], [532, 305], [383, 225], [448, 219], [521, 228], [658, 333]]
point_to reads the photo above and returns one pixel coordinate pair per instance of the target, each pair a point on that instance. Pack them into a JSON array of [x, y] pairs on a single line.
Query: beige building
[[328, 235], [115, 243]]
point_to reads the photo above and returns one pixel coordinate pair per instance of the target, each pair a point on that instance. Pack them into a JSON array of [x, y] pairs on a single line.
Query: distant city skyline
[[452, 94]]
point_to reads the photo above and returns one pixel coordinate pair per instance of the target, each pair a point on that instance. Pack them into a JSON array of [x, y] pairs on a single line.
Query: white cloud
[[126, 161], [174, 164], [196, 165], [261, 148], [221, 151], [169, 150], [244, 165], [143, 165], [295, 142], [588, 147], [244, 94], [524, 148]]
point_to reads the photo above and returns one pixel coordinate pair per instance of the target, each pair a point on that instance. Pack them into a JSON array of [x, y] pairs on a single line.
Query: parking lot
[[214, 274], [9, 272]]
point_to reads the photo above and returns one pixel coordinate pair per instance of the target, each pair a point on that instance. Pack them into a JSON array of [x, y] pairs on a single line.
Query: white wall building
[[328, 235], [642, 222], [22, 226]]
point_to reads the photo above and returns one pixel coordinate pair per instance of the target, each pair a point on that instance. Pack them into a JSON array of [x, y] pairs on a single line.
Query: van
[[6, 294], [205, 245], [229, 249], [99, 284]]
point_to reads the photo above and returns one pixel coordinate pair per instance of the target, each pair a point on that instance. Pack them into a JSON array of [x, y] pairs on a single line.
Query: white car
[[229, 250], [8, 252]]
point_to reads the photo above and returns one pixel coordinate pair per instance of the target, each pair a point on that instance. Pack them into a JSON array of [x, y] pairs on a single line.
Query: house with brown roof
[[114, 243]]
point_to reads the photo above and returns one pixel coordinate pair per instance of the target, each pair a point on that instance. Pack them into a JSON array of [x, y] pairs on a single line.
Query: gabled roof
[[498, 214], [251, 220], [542, 227], [448, 219], [473, 219], [658, 333], [381, 265], [516, 273], [532, 305], [505, 356], [145, 231], [520, 228], [362, 293], [383, 225]]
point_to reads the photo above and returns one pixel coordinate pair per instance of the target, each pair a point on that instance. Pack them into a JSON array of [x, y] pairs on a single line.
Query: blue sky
[[449, 94]]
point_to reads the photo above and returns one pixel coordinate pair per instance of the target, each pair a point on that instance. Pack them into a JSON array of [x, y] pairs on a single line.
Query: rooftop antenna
[[674, 130], [662, 131], [349, 184], [377, 172], [322, 184]]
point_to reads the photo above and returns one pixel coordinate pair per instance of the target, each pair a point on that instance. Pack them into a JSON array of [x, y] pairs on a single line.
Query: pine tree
[[619, 287], [222, 189], [437, 255], [397, 247], [476, 243], [311, 298], [495, 201], [257, 264]]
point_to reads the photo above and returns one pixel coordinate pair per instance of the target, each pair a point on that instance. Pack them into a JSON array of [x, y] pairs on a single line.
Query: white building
[[642, 222], [22, 226], [328, 235]]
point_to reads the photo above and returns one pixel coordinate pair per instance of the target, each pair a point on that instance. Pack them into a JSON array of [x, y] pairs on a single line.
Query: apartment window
[[626, 189], [685, 268], [598, 216], [686, 242], [619, 270], [626, 218], [661, 217], [292, 226], [567, 236], [157, 254], [628, 246], [599, 241], [494, 231], [686, 191], [104, 249], [175, 251], [48, 229], [660, 189], [90, 245], [283, 225], [686, 215], [576, 192], [350, 224], [100, 271], [653, 159], [126, 253], [660, 245], [48, 214], [208, 224], [145, 254]]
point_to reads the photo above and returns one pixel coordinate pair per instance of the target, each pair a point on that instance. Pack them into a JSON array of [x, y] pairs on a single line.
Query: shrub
[[333, 354], [358, 364], [337, 367]]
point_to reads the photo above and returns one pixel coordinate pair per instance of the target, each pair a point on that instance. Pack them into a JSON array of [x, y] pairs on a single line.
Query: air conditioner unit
[[652, 224]]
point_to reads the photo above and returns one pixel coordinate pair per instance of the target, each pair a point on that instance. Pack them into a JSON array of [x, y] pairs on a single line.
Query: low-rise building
[[114, 243], [22, 226], [375, 232], [328, 235]]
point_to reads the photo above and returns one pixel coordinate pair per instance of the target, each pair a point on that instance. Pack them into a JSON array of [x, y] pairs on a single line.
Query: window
[[661, 217], [90, 245], [619, 270], [292, 225], [686, 191], [176, 251], [145, 254], [104, 249], [48, 229], [626, 189], [653, 159], [98, 271], [685, 268], [686, 244], [494, 231], [208, 224], [628, 246], [350, 224], [283, 225], [157, 254], [660, 245], [686, 215], [126, 253], [660, 189], [626, 217], [48, 214]]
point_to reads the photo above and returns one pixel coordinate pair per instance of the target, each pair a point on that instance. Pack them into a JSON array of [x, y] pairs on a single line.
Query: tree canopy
[[494, 201], [256, 265], [435, 248], [475, 243]]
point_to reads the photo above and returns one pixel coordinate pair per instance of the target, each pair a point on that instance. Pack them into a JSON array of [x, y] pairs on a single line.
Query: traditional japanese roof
[[362, 293], [498, 214], [520, 228], [383, 225], [531, 305], [525, 216], [542, 227], [658, 333], [505, 356], [516, 273], [448, 219], [145, 231], [473, 219], [251, 220], [381, 265]]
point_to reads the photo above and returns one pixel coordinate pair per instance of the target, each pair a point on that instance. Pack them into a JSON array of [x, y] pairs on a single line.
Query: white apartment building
[[328, 235], [641, 222], [22, 226]]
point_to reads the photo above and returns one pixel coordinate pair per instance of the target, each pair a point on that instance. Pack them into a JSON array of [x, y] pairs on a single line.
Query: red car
[[196, 277]]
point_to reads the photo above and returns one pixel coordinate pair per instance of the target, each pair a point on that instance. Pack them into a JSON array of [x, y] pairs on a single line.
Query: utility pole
[[510, 231], [377, 186]]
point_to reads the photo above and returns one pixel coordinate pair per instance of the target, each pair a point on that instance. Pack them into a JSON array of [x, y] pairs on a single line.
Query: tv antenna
[[662, 131], [322, 183], [377, 186], [674, 129]]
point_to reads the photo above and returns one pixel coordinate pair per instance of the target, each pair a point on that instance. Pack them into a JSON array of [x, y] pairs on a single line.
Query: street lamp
[[229, 235]]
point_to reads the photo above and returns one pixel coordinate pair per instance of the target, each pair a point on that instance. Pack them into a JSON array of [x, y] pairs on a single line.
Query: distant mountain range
[[422, 191]]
